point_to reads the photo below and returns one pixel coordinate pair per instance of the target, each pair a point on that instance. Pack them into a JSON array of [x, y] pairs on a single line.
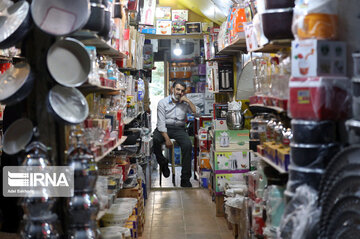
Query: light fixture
[[177, 51]]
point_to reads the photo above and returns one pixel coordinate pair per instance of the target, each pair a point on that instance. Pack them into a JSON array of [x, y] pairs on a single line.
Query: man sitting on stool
[[171, 115]]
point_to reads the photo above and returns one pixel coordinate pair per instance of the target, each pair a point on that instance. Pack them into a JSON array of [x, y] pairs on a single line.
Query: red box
[[253, 99], [320, 98]]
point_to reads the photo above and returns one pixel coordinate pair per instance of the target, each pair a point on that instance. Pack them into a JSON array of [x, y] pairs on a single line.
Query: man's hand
[[168, 143], [184, 99]]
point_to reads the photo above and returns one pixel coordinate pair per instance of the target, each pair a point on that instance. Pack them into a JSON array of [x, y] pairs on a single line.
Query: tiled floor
[[177, 213]]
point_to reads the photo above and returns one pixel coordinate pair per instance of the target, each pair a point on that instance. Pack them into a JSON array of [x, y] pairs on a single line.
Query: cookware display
[[15, 22], [60, 18], [96, 20], [313, 132], [277, 23], [312, 155], [69, 62], [17, 136], [16, 84], [41, 227], [82, 209], [271, 4], [68, 105], [106, 30]]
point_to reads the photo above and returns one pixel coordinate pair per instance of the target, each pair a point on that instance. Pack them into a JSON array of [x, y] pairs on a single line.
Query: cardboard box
[[178, 28], [163, 13], [135, 192], [193, 28], [220, 125], [318, 58], [222, 178], [220, 111], [238, 160], [283, 155], [320, 98], [163, 27], [180, 15], [238, 140]]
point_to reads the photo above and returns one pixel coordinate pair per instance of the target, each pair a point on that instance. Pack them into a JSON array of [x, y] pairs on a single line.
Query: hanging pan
[[60, 18], [15, 22], [68, 105], [69, 62], [16, 84], [17, 136]]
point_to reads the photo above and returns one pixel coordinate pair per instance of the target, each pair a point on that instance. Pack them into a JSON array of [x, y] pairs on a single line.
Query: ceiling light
[[177, 51]]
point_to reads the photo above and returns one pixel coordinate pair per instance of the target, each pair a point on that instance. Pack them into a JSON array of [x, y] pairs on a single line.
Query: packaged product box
[[208, 106], [318, 58], [320, 98], [193, 27], [224, 177], [163, 27], [180, 15], [283, 157], [237, 160], [219, 124], [231, 140], [206, 26], [148, 30], [178, 28], [163, 13], [204, 159], [220, 111]]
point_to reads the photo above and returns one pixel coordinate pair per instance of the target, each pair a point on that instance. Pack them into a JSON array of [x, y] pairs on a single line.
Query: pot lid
[[69, 104], [12, 18], [13, 79]]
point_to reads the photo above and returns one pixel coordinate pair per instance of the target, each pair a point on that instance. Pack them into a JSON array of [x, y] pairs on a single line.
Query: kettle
[[224, 139], [235, 119]]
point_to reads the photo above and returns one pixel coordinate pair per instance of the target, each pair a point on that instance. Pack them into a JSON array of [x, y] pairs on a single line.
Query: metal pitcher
[[235, 119]]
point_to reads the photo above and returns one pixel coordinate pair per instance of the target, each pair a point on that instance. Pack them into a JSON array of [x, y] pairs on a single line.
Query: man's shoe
[[165, 169], [185, 184]]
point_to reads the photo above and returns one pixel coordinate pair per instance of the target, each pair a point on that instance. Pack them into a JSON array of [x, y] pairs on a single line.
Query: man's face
[[178, 91]]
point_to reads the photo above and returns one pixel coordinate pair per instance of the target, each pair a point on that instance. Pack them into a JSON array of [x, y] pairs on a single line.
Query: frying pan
[[16, 84], [15, 23], [69, 62], [60, 18], [67, 105], [17, 136]]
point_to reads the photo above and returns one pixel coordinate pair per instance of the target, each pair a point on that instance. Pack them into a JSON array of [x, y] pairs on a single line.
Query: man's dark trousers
[[182, 138]]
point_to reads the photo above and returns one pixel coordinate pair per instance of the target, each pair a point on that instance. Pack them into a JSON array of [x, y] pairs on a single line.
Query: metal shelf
[[234, 48], [271, 163], [122, 140], [91, 39], [271, 108]]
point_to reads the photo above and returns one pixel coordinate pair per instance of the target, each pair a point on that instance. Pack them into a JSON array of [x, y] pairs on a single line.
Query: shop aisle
[[183, 214]]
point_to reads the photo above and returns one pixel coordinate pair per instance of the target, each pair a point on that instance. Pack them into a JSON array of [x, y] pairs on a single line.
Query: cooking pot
[[40, 227], [16, 84], [60, 18], [275, 4], [15, 23], [17, 136], [37, 206], [106, 30], [277, 23], [96, 20], [67, 105], [69, 62], [235, 119], [117, 9]]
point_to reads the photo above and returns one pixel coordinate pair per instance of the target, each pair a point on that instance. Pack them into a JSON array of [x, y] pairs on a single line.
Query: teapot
[[235, 119]]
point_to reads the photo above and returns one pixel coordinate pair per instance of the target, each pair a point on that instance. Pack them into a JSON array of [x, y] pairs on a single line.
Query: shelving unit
[[274, 46], [234, 48], [191, 36], [265, 108], [87, 88], [128, 120], [271, 163], [122, 140], [91, 39]]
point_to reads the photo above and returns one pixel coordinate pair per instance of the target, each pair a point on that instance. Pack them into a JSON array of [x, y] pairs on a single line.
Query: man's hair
[[180, 82]]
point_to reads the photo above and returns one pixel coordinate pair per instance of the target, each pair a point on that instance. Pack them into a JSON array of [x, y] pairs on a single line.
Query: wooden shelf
[[271, 163], [90, 88], [234, 48], [122, 140], [154, 36], [274, 46], [102, 47]]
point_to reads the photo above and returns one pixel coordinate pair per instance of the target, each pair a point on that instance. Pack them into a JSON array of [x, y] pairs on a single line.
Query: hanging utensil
[[17, 136], [16, 84], [69, 62], [60, 18], [15, 23]]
